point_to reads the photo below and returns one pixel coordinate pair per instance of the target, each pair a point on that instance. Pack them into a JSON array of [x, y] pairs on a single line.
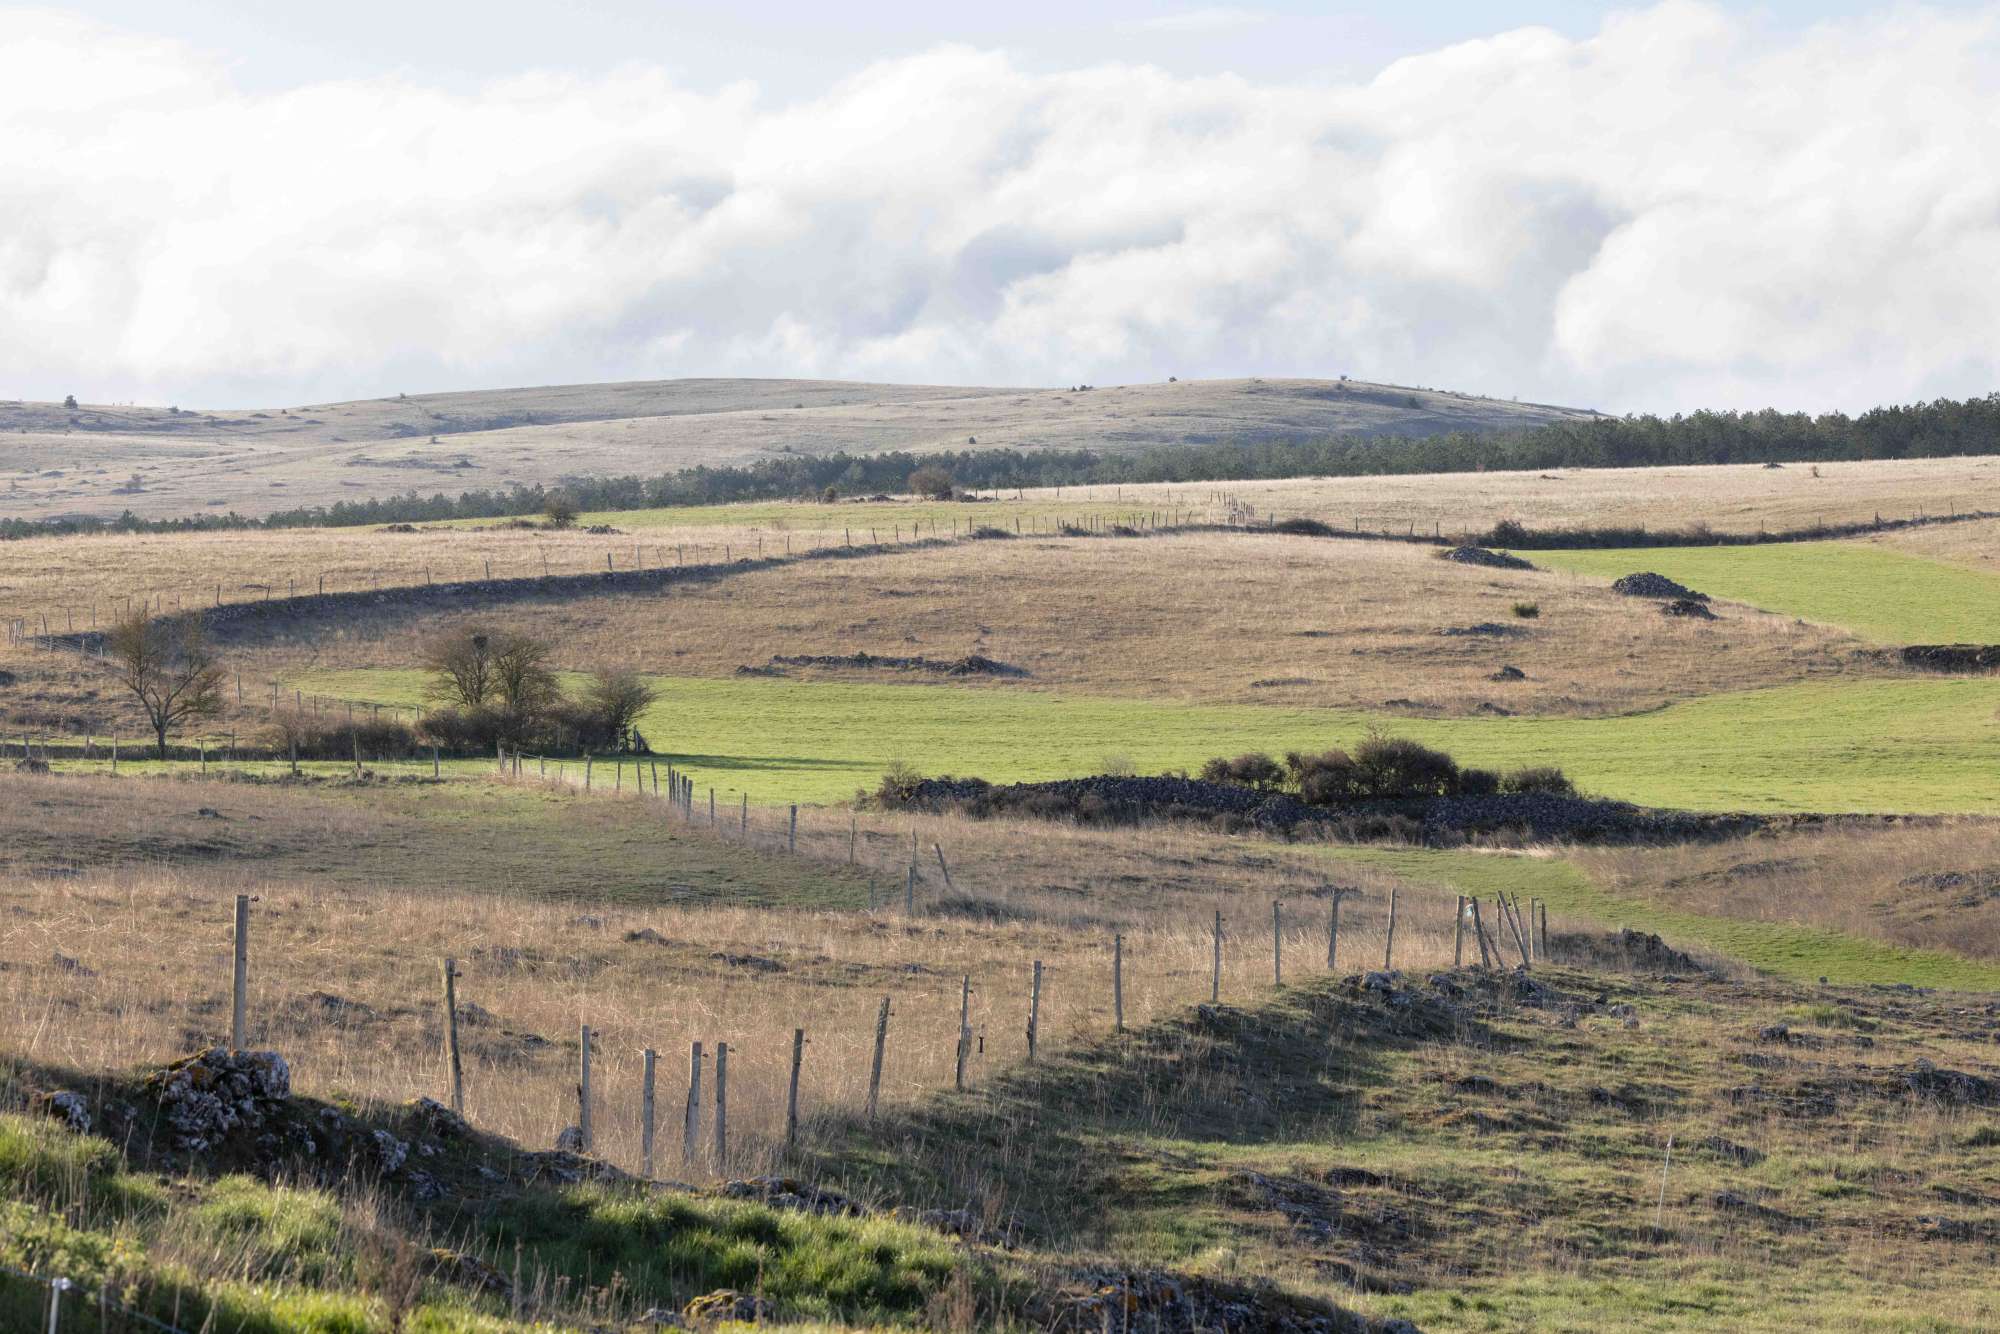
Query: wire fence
[[94, 1307]]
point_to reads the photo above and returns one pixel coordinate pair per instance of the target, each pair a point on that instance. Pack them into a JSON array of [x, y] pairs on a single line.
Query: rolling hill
[[164, 462]]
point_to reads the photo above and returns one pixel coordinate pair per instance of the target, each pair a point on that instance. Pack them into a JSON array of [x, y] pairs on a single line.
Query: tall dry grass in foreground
[[120, 969]]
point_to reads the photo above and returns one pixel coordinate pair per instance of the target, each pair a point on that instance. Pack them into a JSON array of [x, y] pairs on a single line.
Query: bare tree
[[524, 684], [617, 700], [461, 666], [169, 667]]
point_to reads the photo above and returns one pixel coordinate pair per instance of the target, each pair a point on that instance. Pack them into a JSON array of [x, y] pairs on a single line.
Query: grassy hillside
[[259, 461], [1883, 594], [1917, 746]]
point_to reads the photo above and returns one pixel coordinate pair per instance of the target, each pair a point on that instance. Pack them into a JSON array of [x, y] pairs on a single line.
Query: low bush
[[1546, 779], [333, 738], [1252, 770], [1527, 611]]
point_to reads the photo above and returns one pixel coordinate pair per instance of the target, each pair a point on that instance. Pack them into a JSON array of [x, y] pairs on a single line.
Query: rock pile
[[1650, 585], [1687, 607], [208, 1096], [1951, 657]]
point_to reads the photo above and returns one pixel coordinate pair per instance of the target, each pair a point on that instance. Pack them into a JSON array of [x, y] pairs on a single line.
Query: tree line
[[1939, 429]]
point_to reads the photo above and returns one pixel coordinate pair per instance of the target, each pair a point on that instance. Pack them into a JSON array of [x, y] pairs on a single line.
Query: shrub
[[1251, 770], [1507, 533], [899, 784], [934, 483], [612, 705], [1527, 611], [325, 738], [1538, 778], [560, 511], [1478, 782], [1303, 528], [1397, 767], [1325, 779]]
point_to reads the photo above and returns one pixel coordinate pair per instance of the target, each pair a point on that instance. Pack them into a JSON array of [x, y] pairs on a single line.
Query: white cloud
[[1683, 209]]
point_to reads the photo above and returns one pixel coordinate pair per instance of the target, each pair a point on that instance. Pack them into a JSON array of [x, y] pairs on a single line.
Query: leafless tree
[[169, 667], [461, 667], [524, 684]]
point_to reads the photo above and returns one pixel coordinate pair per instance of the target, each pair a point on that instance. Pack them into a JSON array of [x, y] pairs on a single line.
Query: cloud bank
[[1681, 210]]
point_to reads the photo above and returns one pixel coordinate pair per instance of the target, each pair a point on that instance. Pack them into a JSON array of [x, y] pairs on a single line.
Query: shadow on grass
[[1044, 1152]]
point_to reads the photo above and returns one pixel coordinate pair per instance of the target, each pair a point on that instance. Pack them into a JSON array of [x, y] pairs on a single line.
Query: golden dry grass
[[1211, 617], [122, 965], [1737, 498], [1934, 887]]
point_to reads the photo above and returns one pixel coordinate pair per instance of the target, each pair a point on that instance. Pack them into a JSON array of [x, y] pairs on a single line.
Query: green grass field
[[1928, 746], [1879, 594], [1801, 953]]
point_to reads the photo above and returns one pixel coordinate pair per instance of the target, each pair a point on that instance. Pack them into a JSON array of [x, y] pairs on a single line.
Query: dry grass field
[[1739, 498], [1248, 618], [121, 958], [86, 461]]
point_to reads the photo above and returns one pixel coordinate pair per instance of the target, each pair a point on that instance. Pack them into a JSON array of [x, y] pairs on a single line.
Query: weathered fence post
[[1389, 942], [1215, 973], [1277, 943], [1034, 1009], [583, 1089], [1479, 935], [939, 849], [691, 1123], [792, 835], [455, 1066], [792, 1094], [853, 829], [875, 1067], [646, 1114], [910, 892], [743, 819], [721, 1106], [1118, 982], [964, 1030], [1458, 934], [239, 992], [1333, 928]]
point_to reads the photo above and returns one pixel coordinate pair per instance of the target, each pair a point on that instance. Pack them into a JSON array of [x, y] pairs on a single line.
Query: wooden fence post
[[456, 1067], [1458, 934], [583, 1089], [853, 828], [1389, 943], [792, 1095], [1034, 1009], [239, 992], [721, 1105], [792, 835], [875, 1067], [1215, 973], [1545, 929], [743, 819], [586, 773], [1479, 935], [1333, 927], [910, 891], [711, 822], [939, 849], [1277, 943], [964, 1030], [1118, 982], [691, 1123], [646, 1114]]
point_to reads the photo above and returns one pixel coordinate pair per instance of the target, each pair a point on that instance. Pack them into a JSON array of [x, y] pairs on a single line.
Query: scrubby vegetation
[[498, 686], [1379, 769]]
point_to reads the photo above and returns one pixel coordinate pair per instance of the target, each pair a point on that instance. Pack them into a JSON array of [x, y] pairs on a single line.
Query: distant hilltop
[[160, 462]]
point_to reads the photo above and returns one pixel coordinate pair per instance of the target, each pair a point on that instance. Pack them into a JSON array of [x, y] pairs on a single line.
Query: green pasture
[[1887, 596], [1927, 745], [1801, 953]]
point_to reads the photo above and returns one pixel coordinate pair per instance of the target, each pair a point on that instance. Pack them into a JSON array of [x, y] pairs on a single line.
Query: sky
[[1634, 208]]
